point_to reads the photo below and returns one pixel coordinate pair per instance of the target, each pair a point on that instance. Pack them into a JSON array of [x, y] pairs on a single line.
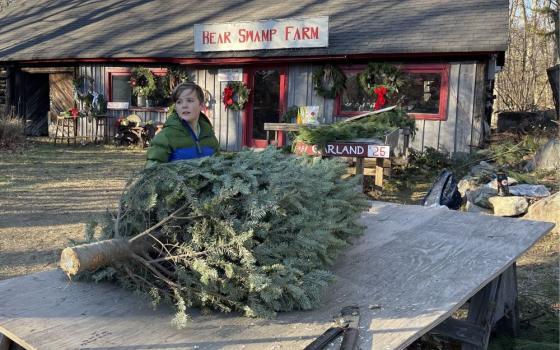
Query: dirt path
[[48, 193]]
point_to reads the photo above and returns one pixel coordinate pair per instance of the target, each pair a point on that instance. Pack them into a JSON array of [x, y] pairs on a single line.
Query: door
[[37, 104], [266, 104]]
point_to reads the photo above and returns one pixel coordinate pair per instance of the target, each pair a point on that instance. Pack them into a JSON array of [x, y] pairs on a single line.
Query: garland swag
[[329, 81], [235, 95], [371, 126]]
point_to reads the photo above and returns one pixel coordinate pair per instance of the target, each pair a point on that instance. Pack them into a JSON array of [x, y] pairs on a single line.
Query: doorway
[[37, 103], [267, 103]]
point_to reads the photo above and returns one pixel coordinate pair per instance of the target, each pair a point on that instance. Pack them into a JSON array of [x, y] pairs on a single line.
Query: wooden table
[[413, 268]]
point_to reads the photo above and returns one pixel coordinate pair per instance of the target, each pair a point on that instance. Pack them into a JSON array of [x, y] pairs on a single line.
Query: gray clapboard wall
[[227, 124], [301, 92], [86, 126], [463, 128], [459, 133]]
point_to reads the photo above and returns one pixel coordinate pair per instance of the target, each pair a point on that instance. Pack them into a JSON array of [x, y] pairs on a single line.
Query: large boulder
[[527, 190], [468, 183], [548, 156], [481, 196], [547, 209], [509, 206], [481, 170], [472, 208]]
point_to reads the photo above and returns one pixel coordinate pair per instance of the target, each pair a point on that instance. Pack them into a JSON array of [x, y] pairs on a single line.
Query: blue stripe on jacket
[[191, 153]]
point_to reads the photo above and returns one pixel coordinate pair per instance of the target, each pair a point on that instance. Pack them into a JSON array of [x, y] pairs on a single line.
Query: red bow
[[228, 96], [380, 101]]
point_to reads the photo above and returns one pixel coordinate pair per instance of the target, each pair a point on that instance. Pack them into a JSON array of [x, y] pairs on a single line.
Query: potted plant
[[143, 84]]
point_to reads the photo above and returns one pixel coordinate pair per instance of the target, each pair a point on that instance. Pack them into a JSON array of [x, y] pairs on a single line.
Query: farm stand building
[[449, 50]]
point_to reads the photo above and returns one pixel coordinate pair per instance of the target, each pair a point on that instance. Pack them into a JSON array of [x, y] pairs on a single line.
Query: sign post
[[358, 150]]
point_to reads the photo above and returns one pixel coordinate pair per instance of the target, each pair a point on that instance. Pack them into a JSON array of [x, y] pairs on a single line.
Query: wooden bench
[[414, 267]]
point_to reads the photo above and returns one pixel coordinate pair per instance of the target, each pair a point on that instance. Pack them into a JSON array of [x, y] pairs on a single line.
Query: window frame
[[110, 72], [442, 69]]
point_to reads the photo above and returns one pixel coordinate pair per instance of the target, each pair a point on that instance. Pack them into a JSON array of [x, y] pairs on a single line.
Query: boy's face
[[188, 106]]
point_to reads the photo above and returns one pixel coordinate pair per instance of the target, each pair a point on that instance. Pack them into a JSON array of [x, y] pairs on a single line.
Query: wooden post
[[379, 172], [360, 168], [494, 305]]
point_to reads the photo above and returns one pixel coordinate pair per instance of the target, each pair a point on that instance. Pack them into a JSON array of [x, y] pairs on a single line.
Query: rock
[[494, 184], [548, 156], [472, 208], [526, 190], [482, 169], [547, 209], [509, 206], [468, 183], [529, 165], [482, 195]]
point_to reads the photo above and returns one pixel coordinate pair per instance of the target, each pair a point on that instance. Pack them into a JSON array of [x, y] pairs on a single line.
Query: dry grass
[[48, 193], [11, 132]]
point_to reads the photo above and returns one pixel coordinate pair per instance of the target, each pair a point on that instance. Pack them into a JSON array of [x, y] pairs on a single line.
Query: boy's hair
[[187, 86]]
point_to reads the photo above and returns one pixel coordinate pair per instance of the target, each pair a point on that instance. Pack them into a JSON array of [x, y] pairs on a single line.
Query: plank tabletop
[[411, 270]]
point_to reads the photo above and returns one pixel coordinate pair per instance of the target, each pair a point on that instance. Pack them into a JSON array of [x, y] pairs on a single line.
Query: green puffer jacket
[[176, 141]]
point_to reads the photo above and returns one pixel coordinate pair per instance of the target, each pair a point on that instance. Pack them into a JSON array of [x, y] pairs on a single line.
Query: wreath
[[235, 95], [383, 81], [178, 75], [83, 86], [328, 81], [142, 81]]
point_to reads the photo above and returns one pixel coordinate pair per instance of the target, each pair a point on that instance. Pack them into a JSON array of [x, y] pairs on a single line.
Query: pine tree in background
[[252, 231]]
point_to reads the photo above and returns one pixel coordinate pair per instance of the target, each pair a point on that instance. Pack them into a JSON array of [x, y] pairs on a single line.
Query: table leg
[[379, 172], [494, 305], [5, 342]]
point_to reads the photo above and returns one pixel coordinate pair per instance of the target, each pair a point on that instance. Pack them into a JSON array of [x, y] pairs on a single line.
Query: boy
[[187, 133]]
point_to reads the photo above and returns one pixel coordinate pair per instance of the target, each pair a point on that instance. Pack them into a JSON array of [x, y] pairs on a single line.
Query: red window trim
[[110, 72], [443, 69]]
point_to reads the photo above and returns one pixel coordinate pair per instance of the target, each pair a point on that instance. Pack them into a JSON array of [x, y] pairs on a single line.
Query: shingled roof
[[87, 29]]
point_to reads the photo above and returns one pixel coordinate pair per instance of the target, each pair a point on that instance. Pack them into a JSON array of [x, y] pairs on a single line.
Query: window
[[119, 89], [354, 99], [425, 97], [426, 93]]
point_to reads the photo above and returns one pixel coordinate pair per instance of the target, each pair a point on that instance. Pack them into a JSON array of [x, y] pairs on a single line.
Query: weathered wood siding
[[301, 92], [86, 127], [61, 92], [459, 133], [463, 129], [227, 124]]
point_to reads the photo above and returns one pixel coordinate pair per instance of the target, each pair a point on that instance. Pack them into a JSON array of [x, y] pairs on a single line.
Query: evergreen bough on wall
[[373, 126], [254, 232]]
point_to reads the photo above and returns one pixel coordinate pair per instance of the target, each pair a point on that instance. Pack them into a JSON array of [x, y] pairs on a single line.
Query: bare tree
[[533, 47]]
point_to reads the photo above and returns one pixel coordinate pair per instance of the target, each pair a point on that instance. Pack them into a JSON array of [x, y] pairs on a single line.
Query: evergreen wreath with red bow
[[235, 95], [382, 80]]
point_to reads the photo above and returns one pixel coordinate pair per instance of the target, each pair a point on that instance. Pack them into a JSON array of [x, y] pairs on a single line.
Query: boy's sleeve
[[159, 150]]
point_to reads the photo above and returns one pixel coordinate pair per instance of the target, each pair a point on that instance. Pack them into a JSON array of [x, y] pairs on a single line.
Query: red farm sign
[[262, 35]]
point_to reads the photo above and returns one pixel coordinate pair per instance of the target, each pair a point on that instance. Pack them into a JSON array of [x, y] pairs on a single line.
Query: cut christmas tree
[[253, 232]]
